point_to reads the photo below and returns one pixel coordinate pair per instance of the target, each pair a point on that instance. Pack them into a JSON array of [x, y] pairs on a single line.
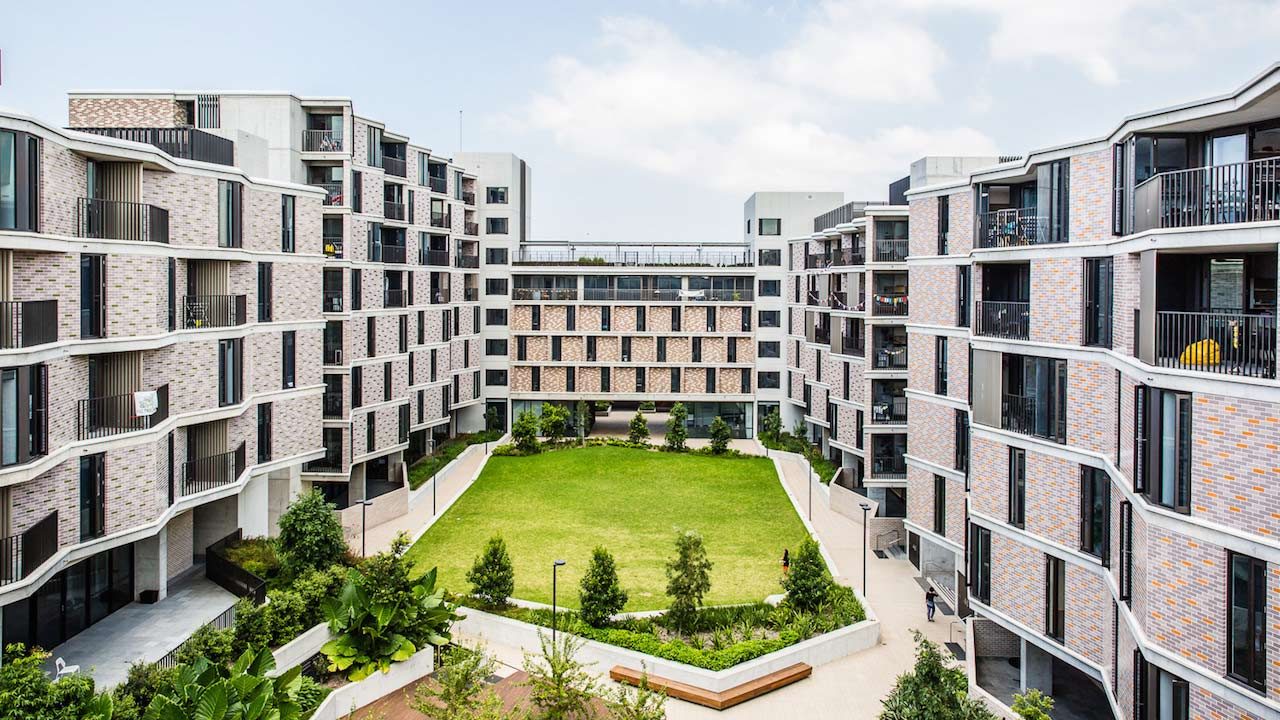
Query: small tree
[[721, 434], [310, 535], [559, 685], [492, 576], [491, 419], [555, 421], [932, 689], [639, 703], [525, 432], [688, 578], [676, 432], [601, 595], [638, 432], [771, 426], [459, 690], [1032, 705], [808, 584]]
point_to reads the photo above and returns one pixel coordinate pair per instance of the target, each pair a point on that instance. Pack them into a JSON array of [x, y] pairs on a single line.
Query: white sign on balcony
[[145, 403]]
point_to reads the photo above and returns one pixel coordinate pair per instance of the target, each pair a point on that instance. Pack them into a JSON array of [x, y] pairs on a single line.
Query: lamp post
[[866, 532], [364, 507], [808, 474], [431, 450], [554, 566]]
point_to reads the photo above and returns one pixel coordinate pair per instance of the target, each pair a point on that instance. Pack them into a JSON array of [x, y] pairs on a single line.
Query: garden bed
[[447, 452]]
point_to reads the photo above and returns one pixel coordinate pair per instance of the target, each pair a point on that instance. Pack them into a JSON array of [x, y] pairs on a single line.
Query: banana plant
[[204, 691]]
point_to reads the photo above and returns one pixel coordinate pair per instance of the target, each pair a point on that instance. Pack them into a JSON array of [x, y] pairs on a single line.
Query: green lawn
[[561, 504]]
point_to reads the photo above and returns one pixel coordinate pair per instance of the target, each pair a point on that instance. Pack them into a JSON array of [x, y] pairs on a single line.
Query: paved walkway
[[379, 537], [143, 632]]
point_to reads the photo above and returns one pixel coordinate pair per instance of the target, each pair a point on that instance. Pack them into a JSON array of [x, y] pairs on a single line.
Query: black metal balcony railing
[[437, 184], [1021, 414], [1217, 195], [632, 258], [470, 294], [333, 246], [230, 576], [813, 298], [893, 357], [470, 228], [21, 554], [333, 405], [181, 142], [26, 323], [332, 193], [379, 252], [332, 354], [213, 311], [466, 261], [214, 471], [437, 258], [889, 468], [891, 250], [115, 414], [1000, 319], [440, 220], [891, 410], [120, 220], [853, 345], [395, 298], [1012, 227], [321, 141], [393, 210], [468, 197], [822, 336], [891, 305], [1226, 343], [393, 166], [441, 295], [817, 261], [332, 301]]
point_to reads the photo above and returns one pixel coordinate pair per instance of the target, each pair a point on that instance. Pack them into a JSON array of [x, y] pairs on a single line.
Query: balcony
[[332, 193], [1021, 414], [120, 220], [27, 323], [889, 468], [379, 252], [214, 471], [889, 305], [213, 311], [332, 354], [437, 258], [632, 258], [466, 261], [891, 357], [470, 228], [440, 220], [394, 166], [437, 184], [1223, 343], [852, 344], [1013, 227], [111, 415], [1218, 195], [180, 142], [326, 141], [470, 294], [835, 257], [395, 298], [21, 554], [468, 197], [838, 300], [891, 250], [1006, 320], [332, 301], [333, 246], [393, 210], [889, 410], [333, 406], [812, 298], [559, 294]]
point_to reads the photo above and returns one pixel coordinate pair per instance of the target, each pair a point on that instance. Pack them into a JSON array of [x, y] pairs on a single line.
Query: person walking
[[786, 561], [930, 603]]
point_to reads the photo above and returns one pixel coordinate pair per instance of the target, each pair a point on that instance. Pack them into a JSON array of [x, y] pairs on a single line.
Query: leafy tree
[[460, 690], [1032, 705], [676, 432], [525, 432], [243, 691], [721, 434], [555, 421], [215, 645], [491, 420], [601, 595], [638, 431], [492, 576], [26, 692], [688, 579], [932, 689], [310, 535], [559, 685], [771, 426], [809, 583], [639, 703], [144, 682]]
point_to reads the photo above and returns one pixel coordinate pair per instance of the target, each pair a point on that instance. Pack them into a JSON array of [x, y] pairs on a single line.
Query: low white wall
[[354, 696], [302, 647], [814, 651], [444, 472], [385, 508], [848, 503]]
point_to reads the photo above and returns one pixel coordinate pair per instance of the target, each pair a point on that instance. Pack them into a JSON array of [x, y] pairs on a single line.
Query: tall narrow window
[[230, 214], [357, 289], [557, 343], [675, 319], [1097, 301], [1126, 552], [662, 349], [944, 222], [357, 191], [1095, 513], [386, 381], [675, 379], [1118, 189], [1055, 597], [265, 291], [288, 362], [962, 441], [963, 284], [403, 333], [980, 563], [19, 181], [606, 383], [626, 349], [605, 318], [940, 365], [287, 219], [357, 386], [1017, 487], [1164, 447], [230, 372], [1158, 694], [940, 505], [640, 379], [371, 432], [93, 511], [711, 381], [570, 318], [264, 432], [536, 383], [93, 296], [640, 323], [371, 336], [1247, 621], [535, 318]]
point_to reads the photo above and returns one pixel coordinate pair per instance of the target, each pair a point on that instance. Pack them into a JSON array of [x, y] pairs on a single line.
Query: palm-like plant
[[205, 691]]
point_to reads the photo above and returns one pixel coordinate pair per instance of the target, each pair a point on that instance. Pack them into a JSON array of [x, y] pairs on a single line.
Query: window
[[1034, 400], [495, 256], [944, 223], [229, 371], [495, 225], [1095, 513], [1055, 572], [640, 378], [770, 226], [288, 358], [495, 286], [24, 400], [662, 349], [496, 346], [357, 289], [370, 432], [771, 258], [711, 381], [1118, 179], [556, 345], [675, 379], [265, 292], [770, 288], [357, 386], [1157, 694], [357, 191], [1162, 447], [605, 383], [675, 319], [980, 563], [571, 379], [422, 327], [373, 139], [770, 319], [535, 321], [522, 347], [1247, 620], [626, 349], [940, 365], [711, 318], [746, 319], [591, 348], [93, 296], [962, 440], [768, 380], [495, 195], [697, 349], [495, 316], [940, 505], [536, 383], [288, 218], [402, 332], [495, 377], [371, 336], [769, 349], [230, 213], [748, 226], [264, 432], [402, 429], [963, 285], [19, 181], [1126, 552], [386, 381], [640, 319], [570, 317], [606, 317], [1097, 301], [744, 386], [1017, 487], [93, 475]]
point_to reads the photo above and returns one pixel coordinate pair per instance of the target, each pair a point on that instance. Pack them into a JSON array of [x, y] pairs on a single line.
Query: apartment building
[[159, 310]]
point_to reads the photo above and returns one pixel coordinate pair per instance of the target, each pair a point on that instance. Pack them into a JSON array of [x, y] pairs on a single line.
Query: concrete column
[[1037, 669], [253, 507], [282, 487], [150, 565]]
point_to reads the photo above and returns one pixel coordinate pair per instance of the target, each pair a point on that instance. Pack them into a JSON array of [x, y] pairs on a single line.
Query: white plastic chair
[[63, 668]]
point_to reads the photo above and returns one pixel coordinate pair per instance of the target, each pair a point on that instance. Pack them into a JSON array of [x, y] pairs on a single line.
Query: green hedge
[[448, 451]]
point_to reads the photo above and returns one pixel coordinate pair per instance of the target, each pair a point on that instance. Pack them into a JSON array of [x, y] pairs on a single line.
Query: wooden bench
[[718, 700]]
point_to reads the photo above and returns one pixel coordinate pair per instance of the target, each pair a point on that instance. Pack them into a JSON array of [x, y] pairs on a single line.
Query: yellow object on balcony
[[1201, 352]]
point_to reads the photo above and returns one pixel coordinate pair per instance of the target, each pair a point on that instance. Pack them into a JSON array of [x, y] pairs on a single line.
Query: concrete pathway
[[451, 484]]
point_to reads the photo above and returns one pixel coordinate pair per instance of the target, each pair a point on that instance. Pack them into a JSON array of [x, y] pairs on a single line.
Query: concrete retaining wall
[[302, 647], [354, 696], [385, 508]]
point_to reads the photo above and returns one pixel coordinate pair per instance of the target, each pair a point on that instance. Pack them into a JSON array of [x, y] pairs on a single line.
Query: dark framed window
[[230, 213], [940, 365], [770, 288], [606, 317], [1095, 513], [980, 563], [557, 345], [230, 371], [535, 317], [93, 493], [495, 256], [964, 284], [20, 182], [1126, 552], [1158, 694], [767, 380], [1017, 487], [422, 327], [570, 317], [288, 358], [536, 382], [402, 417], [495, 316], [940, 505], [357, 289], [495, 377], [403, 333], [357, 192], [93, 296], [640, 379], [1097, 301], [769, 349], [591, 348], [1118, 188], [711, 381], [640, 319], [357, 385], [962, 441], [675, 319], [606, 383], [770, 258], [264, 292], [495, 346], [495, 195], [696, 341], [371, 432], [371, 336], [1247, 621], [495, 286], [386, 381], [288, 220], [1055, 612], [1163, 447], [944, 223], [675, 379], [264, 432], [770, 226], [496, 226]]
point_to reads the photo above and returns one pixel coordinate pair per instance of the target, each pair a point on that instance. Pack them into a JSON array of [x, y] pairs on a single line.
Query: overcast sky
[[654, 120]]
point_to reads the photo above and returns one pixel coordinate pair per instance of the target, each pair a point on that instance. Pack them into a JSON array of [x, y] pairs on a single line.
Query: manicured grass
[[561, 504]]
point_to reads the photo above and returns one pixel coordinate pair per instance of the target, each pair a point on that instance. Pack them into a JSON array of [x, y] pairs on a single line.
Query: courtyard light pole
[[866, 533], [431, 450], [554, 566], [364, 506]]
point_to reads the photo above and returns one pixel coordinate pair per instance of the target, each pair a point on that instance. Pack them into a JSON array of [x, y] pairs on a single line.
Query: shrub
[[932, 689], [216, 645], [492, 576], [639, 703], [555, 422], [648, 406], [771, 426], [721, 434], [809, 583], [252, 628], [602, 405], [444, 453], [310, 535], [559, 685], [26, 692], [676, 432], [1032, 705], [316, 586], [688, 578], [460, 690], [638, 431], [309, 696], [257, 555], [144, 682], [525, 432], [601, 595], [243, 690], [287, 616]]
